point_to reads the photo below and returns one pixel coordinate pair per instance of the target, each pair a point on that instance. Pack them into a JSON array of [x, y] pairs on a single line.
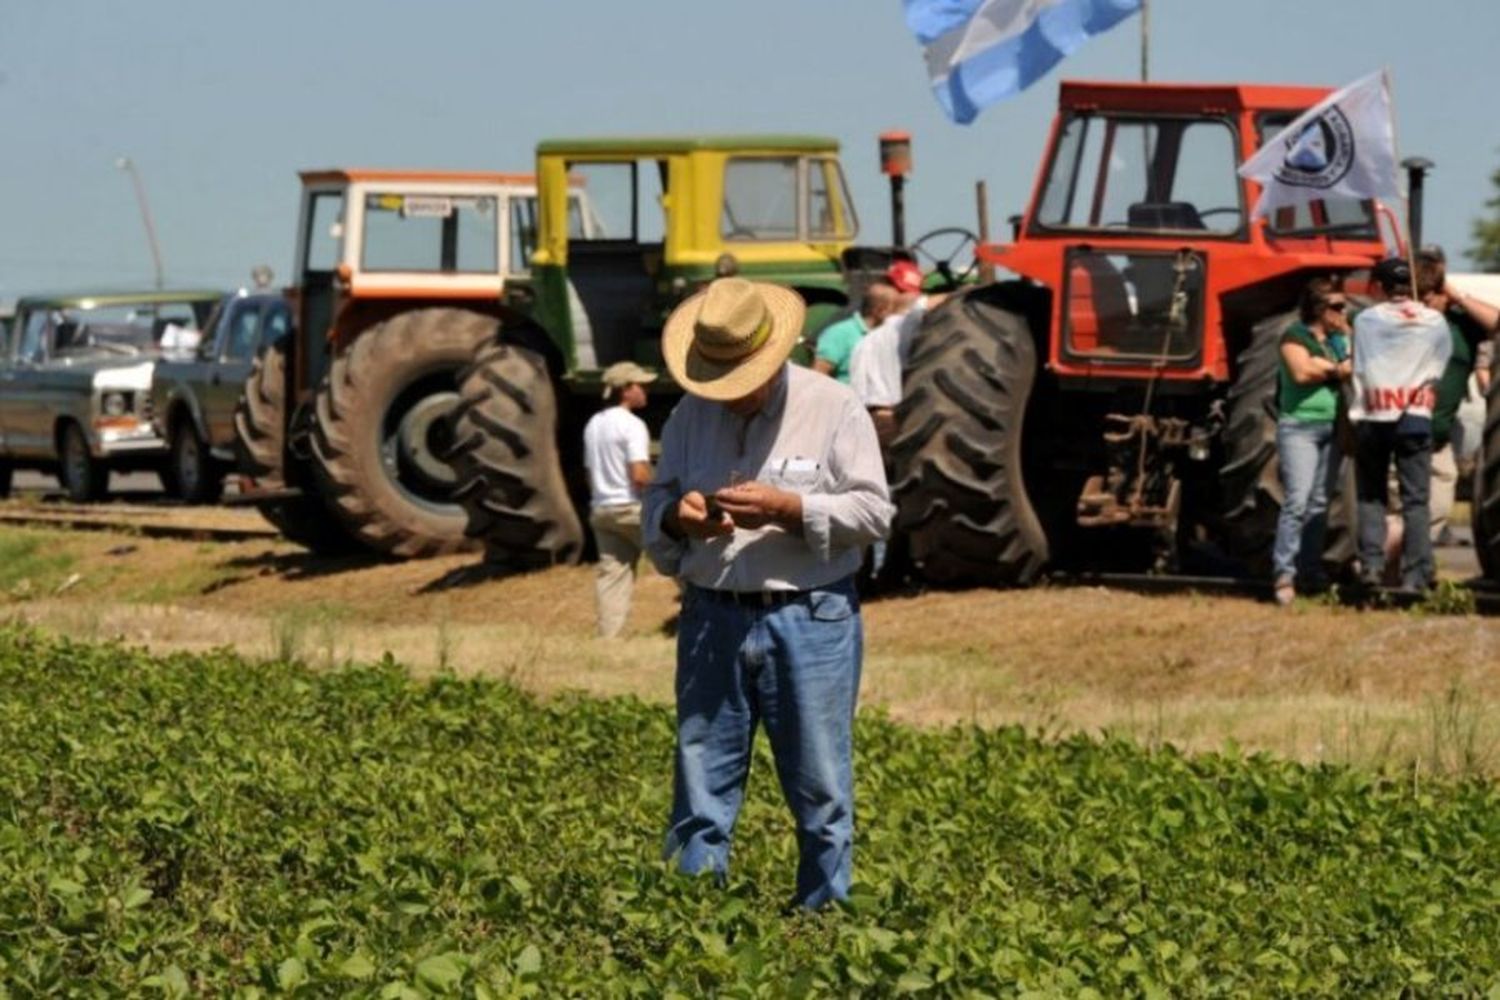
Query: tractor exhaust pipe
[[982, 204], [895, 163], [1416, 168]]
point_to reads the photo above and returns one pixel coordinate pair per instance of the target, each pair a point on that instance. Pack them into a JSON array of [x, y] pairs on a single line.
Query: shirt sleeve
[[856, 510], [638, 443], [834, 346], [662, 492]]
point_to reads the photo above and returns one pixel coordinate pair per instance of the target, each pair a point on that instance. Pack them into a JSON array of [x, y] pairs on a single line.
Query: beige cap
[[623, 373]]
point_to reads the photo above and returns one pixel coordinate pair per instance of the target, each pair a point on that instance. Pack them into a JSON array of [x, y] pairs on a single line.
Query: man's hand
[[754, 505], [690, 518]]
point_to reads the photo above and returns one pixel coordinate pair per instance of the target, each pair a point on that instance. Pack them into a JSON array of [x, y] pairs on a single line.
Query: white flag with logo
[[1345, 146]]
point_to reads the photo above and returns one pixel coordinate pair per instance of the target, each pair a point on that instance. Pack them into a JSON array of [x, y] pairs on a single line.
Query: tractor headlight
[[115, 404]]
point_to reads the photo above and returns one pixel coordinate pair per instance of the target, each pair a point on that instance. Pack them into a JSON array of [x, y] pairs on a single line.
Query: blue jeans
[[1378, 443], [794, 667], [1305, 454]]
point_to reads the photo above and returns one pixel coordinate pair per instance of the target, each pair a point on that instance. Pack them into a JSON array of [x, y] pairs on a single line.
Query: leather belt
[[753, 598]]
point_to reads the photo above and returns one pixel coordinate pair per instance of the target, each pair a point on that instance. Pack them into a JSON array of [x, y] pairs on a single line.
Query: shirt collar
[[775, 403]]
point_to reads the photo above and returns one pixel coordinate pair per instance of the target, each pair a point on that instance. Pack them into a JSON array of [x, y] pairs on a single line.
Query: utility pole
[[126, 164]]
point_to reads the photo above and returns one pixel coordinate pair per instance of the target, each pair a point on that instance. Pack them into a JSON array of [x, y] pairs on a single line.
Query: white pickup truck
[[75, 383]]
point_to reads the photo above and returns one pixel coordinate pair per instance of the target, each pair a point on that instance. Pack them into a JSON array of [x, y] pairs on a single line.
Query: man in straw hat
[[617, 453], [770, 485]]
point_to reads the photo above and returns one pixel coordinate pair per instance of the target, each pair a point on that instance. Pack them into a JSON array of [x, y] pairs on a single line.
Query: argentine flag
[[983, 51]]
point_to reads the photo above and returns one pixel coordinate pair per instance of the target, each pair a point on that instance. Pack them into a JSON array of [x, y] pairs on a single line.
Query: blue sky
[[220, 103]]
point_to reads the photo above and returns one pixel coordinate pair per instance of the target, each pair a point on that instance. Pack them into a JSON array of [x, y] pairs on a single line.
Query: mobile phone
[[715, 512]]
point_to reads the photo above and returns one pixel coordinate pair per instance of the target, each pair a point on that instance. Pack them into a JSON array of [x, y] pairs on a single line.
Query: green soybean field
[[211, 825]]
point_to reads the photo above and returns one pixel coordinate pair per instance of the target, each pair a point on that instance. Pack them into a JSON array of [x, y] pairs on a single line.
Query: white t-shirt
[[1400, 351], [875, 366], [614, 438]]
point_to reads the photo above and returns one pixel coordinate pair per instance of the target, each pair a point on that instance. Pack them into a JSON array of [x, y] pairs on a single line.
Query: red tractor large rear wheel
[[1486, 503], [956, 460]]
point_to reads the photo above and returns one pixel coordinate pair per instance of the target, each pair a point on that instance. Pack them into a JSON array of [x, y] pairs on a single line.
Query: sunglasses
[[1336, 306]]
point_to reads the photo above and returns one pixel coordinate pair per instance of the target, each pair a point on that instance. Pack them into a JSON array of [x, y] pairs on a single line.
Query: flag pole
[[1145, 40], [1411, 248]]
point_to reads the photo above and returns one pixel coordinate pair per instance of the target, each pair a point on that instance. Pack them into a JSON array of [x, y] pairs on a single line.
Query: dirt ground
[[1380, 688]]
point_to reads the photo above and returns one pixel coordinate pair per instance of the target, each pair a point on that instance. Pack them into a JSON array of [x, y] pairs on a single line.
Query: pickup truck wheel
[[505, 451], [195, 476], [259, 445], [382, 431], [84, 478]]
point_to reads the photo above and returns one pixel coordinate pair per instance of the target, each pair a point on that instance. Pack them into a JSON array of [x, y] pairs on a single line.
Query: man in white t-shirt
[[1400, 350], [877, 362], [616, 450]]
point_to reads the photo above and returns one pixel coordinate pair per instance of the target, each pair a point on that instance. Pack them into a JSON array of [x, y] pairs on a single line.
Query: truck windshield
[[1153, 175], [1349, 218], [121, 329], [786, 198]]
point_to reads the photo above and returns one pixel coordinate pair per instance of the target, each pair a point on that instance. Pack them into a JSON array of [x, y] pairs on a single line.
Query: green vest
[[1309, 404]]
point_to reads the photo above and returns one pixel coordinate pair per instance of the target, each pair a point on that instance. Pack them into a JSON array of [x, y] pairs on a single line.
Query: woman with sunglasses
[[1314, 362]]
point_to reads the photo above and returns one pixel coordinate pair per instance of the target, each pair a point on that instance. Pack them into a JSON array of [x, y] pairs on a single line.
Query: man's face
[[633, 396]]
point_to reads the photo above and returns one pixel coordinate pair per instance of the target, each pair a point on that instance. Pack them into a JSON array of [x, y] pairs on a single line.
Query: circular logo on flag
[[1320, 154]]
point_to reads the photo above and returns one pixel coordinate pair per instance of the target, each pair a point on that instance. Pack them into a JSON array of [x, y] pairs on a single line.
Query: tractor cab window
[[1347, 218], [1140, 175], [624, 202], [760, 199], [786, 198], [1135, 307], [830, 210], [430, 233], [325, 231], [524, 216]]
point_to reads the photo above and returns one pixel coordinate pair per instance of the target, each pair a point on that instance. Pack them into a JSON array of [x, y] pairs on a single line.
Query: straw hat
[[729, 339]]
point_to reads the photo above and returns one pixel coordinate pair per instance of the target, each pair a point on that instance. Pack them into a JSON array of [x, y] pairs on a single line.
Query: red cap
[[906, 276]]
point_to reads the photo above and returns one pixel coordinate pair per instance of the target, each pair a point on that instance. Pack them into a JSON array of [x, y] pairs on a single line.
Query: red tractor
[[1114, 406]]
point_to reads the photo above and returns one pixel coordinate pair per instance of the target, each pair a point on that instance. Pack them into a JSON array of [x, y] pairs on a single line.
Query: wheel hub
[[187, 462], [421, 436]]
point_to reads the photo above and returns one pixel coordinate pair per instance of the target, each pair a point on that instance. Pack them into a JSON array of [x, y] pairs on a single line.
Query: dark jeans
[[1378, 443]]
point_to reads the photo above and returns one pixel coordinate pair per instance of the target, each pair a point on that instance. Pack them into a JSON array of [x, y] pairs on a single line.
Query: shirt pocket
[[800, 475]]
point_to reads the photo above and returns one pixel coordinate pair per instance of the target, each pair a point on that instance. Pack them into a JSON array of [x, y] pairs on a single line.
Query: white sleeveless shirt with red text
[[1400, 350]]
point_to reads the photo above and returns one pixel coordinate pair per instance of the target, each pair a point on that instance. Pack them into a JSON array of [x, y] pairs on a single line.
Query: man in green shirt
[[836, 342]]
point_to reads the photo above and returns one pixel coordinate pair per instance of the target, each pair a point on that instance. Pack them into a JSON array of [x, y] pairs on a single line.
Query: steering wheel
[[1226, 210], [950, 252]]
